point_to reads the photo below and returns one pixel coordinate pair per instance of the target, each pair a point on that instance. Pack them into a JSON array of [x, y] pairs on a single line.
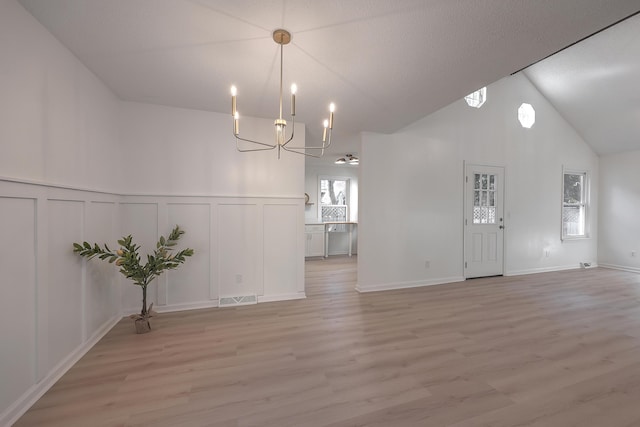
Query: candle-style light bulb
[[332, 108], [324, 131], [294, 89], [279, 134], [234, 91], [236, 123]]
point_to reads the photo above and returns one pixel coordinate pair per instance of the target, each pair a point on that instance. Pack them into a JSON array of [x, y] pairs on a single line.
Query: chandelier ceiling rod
[[292, 94], [282, 37]]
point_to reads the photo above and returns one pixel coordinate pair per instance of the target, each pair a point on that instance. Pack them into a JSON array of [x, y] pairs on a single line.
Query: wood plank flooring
[[552, 349]]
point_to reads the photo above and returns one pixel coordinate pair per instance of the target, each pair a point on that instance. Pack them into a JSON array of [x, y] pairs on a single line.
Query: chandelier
[[282, 37]]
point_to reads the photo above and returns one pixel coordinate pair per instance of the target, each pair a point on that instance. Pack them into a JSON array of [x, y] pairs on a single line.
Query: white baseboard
[[36, 391], [186, 306], [406, 285], [546, 269], [282, 297], [342, 253], [620, 267], [214, 303]]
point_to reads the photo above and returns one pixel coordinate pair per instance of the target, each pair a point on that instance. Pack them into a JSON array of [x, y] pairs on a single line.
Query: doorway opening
[[331, 225]]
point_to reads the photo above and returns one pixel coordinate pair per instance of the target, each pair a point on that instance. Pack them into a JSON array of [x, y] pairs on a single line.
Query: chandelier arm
[[255, 142], [307, 148], [255, 149], [268, 146], [241, 150], [322, 147], [293, 130], [293, 150]]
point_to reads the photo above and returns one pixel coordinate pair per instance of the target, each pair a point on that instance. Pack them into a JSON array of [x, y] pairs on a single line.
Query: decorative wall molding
[[153, 195], [63, 215]]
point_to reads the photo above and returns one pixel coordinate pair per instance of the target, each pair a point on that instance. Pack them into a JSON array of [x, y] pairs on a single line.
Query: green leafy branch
[[129, 260]]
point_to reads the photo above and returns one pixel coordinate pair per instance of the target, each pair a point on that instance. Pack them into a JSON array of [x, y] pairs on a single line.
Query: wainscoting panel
[[141, 221], [283, 248], [239, 246], [65, 292], [103, 287], [190, 282], [55, 305], [17, 299]]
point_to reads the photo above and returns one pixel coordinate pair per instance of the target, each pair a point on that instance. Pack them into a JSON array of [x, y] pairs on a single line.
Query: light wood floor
[[553, 349]]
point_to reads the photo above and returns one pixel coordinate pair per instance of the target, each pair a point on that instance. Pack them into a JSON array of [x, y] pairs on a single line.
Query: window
[[574, 204], [526, 115], [477, 98], [484, 198], [334, 199]]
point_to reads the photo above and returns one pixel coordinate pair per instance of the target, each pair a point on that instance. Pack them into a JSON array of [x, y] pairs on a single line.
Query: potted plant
[[128, 259]]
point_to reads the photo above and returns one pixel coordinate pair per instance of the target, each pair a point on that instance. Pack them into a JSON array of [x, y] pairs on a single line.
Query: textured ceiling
[[595, 87], [384, 63]]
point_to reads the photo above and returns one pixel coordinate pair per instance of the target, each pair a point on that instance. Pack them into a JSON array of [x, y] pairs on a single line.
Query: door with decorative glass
[[483, 221]]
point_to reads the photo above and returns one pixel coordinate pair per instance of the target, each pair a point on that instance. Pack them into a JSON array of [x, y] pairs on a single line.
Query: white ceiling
[[384, 63], [595, 87]]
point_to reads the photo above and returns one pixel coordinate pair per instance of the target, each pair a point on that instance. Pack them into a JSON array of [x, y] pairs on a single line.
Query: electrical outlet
[[546, 253], [238, 278], [633, 253], [427, 263]]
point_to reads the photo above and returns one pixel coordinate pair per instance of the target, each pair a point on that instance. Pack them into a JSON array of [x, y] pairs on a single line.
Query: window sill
[[574, 238]]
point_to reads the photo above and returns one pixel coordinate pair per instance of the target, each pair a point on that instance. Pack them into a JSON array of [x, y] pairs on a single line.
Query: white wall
[[174, 151], [59, 126], [53, 306], [411, 196], [619, 206], [59, 122], [78, 164], [182, 167], [338, 242]]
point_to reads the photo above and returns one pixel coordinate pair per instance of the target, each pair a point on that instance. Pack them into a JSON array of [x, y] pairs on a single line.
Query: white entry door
[[483, 221]]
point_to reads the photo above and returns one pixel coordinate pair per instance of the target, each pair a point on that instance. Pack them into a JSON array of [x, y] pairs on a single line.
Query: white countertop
[[330, 222]]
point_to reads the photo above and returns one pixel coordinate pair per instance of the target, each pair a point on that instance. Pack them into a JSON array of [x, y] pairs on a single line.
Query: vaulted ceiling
[[595, 87], [384, 63]]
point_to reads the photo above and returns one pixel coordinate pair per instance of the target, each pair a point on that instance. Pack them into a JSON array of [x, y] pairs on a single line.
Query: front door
[[483, 221]]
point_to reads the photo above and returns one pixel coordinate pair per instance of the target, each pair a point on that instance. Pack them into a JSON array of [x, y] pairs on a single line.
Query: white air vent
[[239, 300]]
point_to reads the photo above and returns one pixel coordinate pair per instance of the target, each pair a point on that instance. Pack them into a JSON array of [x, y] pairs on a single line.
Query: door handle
[[501, 227]]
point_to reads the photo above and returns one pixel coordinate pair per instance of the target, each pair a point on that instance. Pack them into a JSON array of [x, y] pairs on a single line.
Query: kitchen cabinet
[[314, 243]]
